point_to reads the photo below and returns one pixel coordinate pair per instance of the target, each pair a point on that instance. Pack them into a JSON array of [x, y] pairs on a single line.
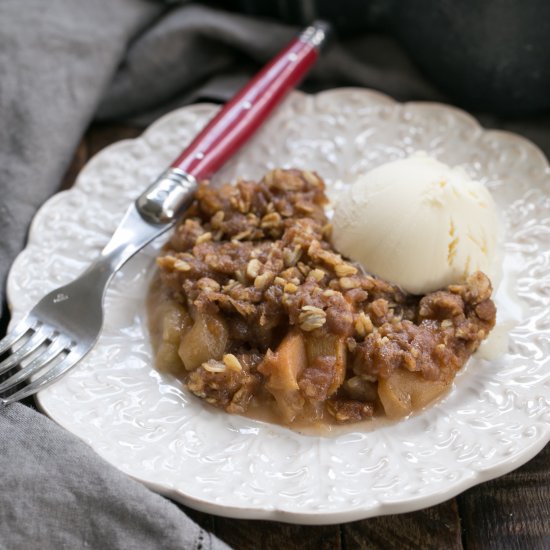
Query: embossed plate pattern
[[496, 417]]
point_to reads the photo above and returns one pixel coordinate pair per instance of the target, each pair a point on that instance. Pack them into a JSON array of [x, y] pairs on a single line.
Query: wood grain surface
[[510, 512]]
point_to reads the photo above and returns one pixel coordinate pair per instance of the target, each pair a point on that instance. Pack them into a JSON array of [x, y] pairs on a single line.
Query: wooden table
[[509, 512]]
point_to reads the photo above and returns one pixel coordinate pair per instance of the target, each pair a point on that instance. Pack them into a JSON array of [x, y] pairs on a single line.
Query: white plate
[[496, 417]]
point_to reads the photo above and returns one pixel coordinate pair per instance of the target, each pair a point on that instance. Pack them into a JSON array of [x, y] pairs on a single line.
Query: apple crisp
[[254, 310]]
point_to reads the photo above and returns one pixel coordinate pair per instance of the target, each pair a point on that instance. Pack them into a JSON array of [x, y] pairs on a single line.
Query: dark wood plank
[[206, 521], [97, 137], [512, 511], [100, 135], [79, 159], [437, 527], [265, 535]]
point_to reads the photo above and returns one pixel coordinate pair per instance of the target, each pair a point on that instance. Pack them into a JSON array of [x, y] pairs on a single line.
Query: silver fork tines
[[42, 345], [70, 359], [33, 343], [53, 350], [13, 337]]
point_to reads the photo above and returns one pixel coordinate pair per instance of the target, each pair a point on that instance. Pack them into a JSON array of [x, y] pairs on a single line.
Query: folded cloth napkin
[[61, 66], [57, 493]]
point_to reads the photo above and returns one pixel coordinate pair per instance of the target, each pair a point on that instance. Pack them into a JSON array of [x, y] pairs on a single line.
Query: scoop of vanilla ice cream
[[418, 223]]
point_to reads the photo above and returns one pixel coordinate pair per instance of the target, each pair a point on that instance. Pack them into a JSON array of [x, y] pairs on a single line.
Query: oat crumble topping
[[254, 308]]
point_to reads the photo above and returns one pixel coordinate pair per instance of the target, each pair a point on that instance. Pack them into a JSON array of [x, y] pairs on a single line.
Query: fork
[[64, 326]]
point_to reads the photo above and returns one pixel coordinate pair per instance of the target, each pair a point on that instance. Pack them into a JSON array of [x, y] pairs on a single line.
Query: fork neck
[[131, 235]]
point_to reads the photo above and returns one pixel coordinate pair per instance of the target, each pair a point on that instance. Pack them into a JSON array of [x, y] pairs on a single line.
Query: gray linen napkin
[[55, 492], [62, 63]]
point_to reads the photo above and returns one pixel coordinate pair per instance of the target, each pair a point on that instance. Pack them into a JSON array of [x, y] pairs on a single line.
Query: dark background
[[488, 55]]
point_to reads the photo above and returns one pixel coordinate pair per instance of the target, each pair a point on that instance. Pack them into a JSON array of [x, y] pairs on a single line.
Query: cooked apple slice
[[328, 345], [206, 340], [169, 322], [282, 370], [404, 392]]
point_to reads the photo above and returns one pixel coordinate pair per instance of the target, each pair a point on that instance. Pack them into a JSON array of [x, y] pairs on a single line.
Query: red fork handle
[[243, 114]]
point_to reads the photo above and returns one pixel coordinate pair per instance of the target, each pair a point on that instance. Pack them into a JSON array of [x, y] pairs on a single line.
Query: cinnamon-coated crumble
[[253, 309]]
